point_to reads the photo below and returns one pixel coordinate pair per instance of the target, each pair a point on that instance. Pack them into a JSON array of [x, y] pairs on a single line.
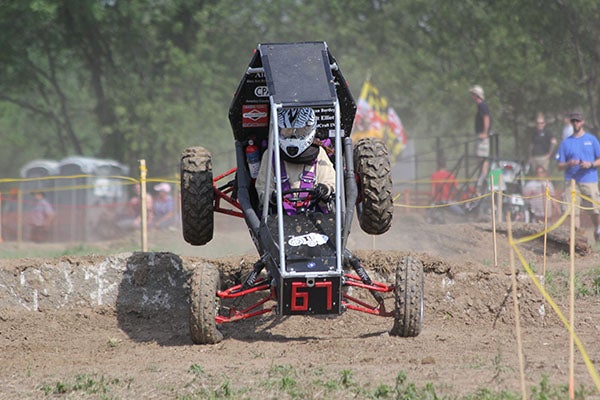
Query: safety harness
[[293, 202]]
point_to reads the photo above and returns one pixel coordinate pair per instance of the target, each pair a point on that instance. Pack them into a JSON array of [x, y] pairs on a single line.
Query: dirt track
[[467, 341]]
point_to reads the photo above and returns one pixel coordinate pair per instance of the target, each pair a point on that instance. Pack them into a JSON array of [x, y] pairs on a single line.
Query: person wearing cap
[[579, 156], [163, 206], [542, 145], [483, 126]]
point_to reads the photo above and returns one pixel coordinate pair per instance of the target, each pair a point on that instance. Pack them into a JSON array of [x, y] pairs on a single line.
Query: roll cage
[[284, 75]]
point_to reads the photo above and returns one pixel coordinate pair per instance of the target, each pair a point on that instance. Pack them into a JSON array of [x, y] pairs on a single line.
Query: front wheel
[[375, 204], [409, 295], [204, 305]]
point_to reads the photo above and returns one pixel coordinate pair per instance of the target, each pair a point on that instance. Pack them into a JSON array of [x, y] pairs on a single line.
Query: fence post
[[572, 291], [500, 197], [144, 206], [494, 236], [1, 240], [467, 172], [416, 173], [19, 217]]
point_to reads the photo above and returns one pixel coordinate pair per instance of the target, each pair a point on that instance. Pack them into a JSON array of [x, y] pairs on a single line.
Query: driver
[[304, 164]]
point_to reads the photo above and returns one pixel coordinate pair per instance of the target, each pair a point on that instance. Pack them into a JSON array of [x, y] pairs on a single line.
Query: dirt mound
[[136, 341]]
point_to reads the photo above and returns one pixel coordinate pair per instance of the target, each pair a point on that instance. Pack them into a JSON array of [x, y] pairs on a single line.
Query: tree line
[[144, 79]]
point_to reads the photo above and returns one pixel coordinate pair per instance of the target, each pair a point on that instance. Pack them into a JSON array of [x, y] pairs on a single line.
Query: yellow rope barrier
[[128, 181], [512, 241], [547, 298], [515, 295], [514, 246], [483, 196]]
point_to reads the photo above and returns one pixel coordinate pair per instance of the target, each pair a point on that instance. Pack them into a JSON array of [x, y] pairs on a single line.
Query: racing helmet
[[297, 129]]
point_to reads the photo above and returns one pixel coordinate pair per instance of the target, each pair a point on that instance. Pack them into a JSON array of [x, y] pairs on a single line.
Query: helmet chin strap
[[307, 156]]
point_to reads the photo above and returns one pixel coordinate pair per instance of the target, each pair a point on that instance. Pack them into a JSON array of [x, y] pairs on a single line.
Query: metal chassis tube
[[379, 309], [224, 193]]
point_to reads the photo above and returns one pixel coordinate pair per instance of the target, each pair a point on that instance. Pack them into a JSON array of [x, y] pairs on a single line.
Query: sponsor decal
[[255, 115], [261, 91], [311, 240]]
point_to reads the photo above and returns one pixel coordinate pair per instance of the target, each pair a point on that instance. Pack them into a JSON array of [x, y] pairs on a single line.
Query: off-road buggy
[[511, 184], [304, 266]]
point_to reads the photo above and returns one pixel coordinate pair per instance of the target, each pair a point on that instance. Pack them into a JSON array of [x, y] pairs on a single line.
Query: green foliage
[[408, 390], [546, 391], [346, 378], [196, 369], [596, 286], [283, 381], [86, 384], [135, 79], [586, 283], [225, 390]]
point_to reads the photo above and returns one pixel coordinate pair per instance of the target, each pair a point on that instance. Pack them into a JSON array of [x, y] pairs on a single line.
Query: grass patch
[[586, 283], [196, 369], [80, 249], [285, 382], [85, 384]]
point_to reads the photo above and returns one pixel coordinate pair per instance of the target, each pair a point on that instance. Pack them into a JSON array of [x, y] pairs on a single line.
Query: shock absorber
[[364, 277], [251, 278], [359, 269]]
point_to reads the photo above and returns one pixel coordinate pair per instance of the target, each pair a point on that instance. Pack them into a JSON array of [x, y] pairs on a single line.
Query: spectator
[[443, 184], [11, 204], [132, 218], [8, 223], [567, 127], [542, 145], [483, 126], [304, 164], [535, 192], [579, 156], [164, 208], [41, 218], [443, 188]]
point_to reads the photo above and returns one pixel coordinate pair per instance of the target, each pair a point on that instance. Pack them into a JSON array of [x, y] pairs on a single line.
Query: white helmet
[[297, 129]]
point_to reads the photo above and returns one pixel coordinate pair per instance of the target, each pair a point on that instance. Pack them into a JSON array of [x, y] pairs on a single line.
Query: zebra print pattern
[[296, 117]]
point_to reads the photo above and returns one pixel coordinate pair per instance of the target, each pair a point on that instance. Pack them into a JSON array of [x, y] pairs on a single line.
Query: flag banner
[[374, 118]]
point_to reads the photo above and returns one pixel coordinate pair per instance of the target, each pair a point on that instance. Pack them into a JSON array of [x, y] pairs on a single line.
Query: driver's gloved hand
[[322, 192]]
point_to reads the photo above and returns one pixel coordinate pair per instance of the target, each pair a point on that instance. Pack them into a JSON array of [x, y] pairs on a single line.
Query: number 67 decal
[[300, 298]]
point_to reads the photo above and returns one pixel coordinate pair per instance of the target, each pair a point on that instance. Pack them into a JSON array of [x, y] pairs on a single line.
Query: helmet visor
[[296, 133]]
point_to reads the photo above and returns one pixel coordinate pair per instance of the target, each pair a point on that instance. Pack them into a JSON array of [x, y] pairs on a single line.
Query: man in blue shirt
[[579, 156]]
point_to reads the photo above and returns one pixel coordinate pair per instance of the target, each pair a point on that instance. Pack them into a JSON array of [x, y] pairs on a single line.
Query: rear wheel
[[409, 298], [197, 196], [374, 205], [204, 305]]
